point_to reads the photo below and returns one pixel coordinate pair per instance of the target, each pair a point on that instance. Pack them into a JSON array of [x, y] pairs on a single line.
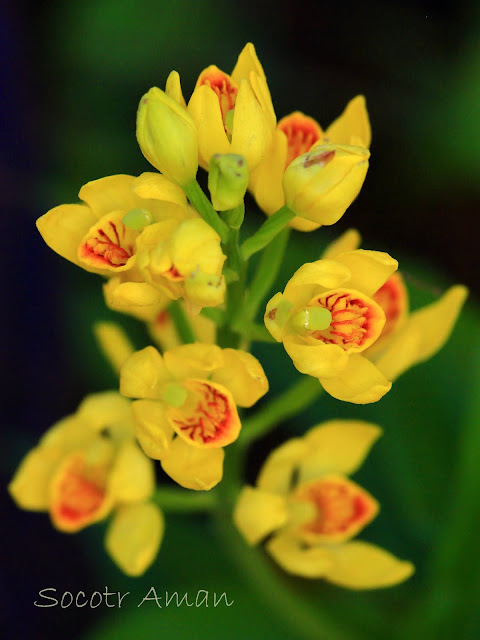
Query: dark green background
[[73, 75]]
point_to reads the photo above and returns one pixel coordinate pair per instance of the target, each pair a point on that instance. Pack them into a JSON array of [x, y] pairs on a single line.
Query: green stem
[[173, 500], [266, 273], [267, 232], [300, 396], [204, 207], [182, 324]]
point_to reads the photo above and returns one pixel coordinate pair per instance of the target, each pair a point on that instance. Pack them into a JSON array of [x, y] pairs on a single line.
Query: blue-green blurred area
[[73, 75]]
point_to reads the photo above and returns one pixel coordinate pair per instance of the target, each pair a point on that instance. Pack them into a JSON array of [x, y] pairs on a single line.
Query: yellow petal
[[257, 513], [143, 374], [154, 186], [353, 126], [348, 241], [360, 382], [107, 410], [152, 428], [63, 228], [276, 473], [316, 358], [251, 135], [246, 63], [205, 110], [262, 94], [134, 537], [114, 343], [193, 468], [132, 478], [173, 88], [72, 432], [337, 446], [314, 277], [359, 565], [294, 558], [108, 194], [140, 299], [266, 179], [193, 360], [30, 484], [243, 375], [424, 333], [369, 269]]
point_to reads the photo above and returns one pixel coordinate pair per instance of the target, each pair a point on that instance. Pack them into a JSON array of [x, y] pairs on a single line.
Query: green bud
[[227, 180], [174, 395], [312, 319], [137, 219]]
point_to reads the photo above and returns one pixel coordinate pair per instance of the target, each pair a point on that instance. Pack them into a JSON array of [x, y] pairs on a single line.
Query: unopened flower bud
[[321, 184], [227, 180], [167, 136]]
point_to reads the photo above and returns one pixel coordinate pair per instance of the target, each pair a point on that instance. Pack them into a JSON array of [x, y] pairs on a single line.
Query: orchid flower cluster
[[179, 262]]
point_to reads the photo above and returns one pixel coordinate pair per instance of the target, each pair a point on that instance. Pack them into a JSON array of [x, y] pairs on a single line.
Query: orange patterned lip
[[357, 321], [302, 132], [223, 87], [109, 245], [342, 508], [393, 298], [79, 494], [211, 419]]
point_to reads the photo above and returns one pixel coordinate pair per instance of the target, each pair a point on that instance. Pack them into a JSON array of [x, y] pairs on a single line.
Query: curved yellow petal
[[114, 343], [72, 432], [31, 482], [293, 557], [173, 88], [243, 375], [204, 108], [140, 299], [350, 240], [266, 179], [63, 228], [276, 473], [314, 277], [155, 186], [337, 446], [251, 134], [360, 382], [107, 410], [134, 536], [132, 478], [424, 333], [143, 374], [369, 269], [316, 358], [246, 63], [352, 126], [193, 468], [257, 513], [152, 428], [360, 565], [193, 360], [300, 224], [108, 194]]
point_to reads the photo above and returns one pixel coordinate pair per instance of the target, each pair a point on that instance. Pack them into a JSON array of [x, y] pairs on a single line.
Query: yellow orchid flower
[[188, 407], [327, 319], [407, 338], [100, 235], [233, 114], [126, 228], [88, 466], [311, 510], [295, 135]]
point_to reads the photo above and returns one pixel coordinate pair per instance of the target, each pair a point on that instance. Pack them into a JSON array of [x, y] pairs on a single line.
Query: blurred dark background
[[72, 77]]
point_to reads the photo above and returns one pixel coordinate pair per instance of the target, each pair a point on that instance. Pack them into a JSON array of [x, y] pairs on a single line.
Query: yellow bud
[[227, 180], [167, 136], [321, 184], [205, 290]]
